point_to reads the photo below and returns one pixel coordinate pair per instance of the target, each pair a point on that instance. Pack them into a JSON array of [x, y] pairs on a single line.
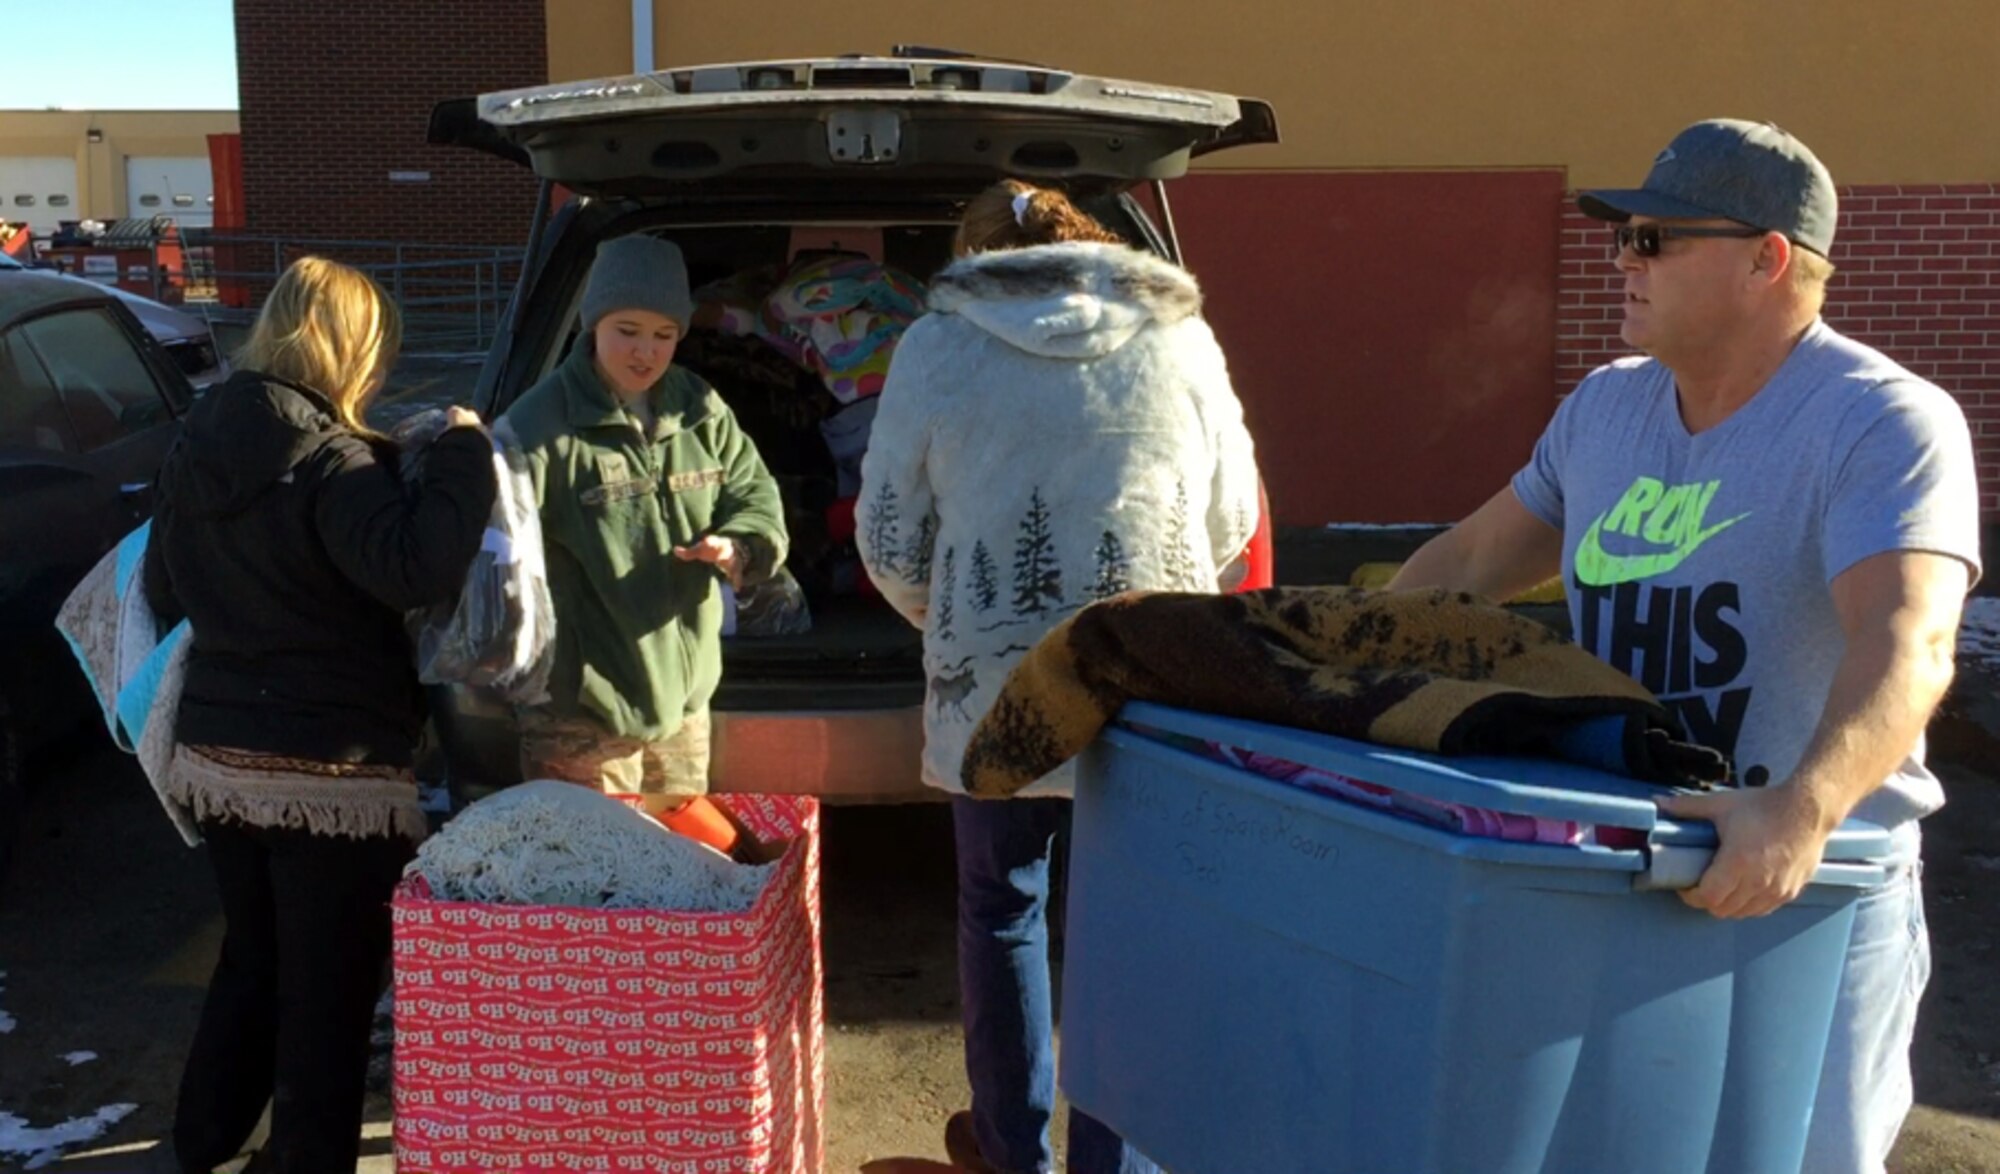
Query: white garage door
[[171, 185], [38, 189]]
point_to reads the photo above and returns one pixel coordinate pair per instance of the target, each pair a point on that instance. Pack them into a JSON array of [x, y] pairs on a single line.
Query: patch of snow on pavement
[[75, 1058], [43, 1146], [435, 798], [1979, 631]]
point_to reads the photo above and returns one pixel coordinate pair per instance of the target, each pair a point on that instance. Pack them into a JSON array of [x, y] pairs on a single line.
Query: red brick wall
[[1919, 279], [334, 96]]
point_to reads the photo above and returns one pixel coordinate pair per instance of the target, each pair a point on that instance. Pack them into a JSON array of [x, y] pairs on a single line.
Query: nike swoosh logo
[[1597, 567]]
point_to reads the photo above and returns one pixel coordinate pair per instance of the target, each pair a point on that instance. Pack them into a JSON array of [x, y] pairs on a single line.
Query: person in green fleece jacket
[[651, 497]]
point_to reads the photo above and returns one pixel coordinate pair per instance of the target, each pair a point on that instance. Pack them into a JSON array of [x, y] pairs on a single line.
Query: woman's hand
[[724, 554], [460, 417]]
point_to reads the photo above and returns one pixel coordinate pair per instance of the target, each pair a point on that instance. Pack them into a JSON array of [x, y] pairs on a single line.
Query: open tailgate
[[825, 119]]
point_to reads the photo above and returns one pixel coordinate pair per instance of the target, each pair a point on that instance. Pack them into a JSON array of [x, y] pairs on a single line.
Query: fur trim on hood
[[1066, 301]]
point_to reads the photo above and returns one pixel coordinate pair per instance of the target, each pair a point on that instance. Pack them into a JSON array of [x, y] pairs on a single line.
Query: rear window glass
[[107, 389], [31, 415]]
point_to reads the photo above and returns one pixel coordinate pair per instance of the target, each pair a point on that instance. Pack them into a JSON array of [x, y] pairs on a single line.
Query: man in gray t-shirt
[[1773, 528]]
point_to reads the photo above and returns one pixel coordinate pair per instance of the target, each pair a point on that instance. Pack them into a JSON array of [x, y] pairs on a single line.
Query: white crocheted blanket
[[555, 843]]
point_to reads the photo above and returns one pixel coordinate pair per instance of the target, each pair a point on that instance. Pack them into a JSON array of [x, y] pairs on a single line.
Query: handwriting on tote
[[1211, 822]]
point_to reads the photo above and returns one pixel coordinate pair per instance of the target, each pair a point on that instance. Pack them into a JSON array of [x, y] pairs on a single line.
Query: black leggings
[[288, 1012]]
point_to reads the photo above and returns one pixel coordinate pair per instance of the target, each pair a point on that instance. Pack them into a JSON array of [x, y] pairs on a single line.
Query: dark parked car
[[187, 339], [755, 166], [89, 402]]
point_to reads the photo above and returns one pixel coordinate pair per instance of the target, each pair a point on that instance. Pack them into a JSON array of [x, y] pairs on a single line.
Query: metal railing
[[453, 297]]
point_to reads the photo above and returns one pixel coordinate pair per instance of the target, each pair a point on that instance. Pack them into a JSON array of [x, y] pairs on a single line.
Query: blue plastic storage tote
[[1265, 980]]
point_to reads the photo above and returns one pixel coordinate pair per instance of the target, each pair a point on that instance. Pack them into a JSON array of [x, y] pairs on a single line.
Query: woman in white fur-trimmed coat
[[1058, 429]]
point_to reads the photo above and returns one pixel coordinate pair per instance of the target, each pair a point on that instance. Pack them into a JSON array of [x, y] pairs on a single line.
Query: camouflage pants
[[579, 750]]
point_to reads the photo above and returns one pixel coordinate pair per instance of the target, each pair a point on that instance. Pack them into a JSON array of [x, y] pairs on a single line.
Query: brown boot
[[961, 1144]]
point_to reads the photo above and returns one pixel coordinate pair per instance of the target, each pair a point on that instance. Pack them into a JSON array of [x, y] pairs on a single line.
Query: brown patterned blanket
[[1424, 670]]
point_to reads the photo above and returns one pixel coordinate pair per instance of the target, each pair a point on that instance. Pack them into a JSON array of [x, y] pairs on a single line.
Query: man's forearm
[[1460, 561], [1500, 550], [1883, 695], [1441, 562]]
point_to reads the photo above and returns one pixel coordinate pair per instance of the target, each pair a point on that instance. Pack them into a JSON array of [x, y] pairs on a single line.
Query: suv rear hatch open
[[753, 165], [766, 125]]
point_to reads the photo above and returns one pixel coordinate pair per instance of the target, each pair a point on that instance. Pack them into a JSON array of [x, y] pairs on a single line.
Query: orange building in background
[[1403, 285]]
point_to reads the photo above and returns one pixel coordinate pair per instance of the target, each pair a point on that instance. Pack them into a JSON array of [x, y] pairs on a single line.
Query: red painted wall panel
[[1392, 334]]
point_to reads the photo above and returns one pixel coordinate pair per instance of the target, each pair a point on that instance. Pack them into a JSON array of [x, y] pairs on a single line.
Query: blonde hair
[[327, 327], [1045, 217], [1810, 272]]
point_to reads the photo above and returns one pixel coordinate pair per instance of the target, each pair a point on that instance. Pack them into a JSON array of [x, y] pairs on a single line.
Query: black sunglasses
[[1646, 239]]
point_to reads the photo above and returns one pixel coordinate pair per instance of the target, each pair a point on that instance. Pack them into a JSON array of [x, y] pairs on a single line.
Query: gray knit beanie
[[637, 272]]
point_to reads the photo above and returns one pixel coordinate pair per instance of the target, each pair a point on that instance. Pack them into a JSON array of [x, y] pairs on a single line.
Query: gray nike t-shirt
[[1701, 564]]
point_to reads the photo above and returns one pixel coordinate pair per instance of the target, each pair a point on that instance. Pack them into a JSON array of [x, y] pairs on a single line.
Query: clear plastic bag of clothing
[[500, 634], [775, 607]]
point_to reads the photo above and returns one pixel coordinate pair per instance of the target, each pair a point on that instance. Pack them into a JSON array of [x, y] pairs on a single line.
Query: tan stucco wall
[[100, 167], [1885, 93]]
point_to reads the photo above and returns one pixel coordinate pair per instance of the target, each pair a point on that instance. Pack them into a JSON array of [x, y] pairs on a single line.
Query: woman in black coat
[[286, 535]]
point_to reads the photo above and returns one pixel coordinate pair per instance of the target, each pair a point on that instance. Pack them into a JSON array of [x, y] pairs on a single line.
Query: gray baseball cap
[[1755, 173]]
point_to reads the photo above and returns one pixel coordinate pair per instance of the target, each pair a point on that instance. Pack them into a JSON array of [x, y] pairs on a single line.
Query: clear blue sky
[[118, 54]]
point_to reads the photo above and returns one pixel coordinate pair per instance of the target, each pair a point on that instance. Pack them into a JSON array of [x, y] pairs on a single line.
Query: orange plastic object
[[701, 820]]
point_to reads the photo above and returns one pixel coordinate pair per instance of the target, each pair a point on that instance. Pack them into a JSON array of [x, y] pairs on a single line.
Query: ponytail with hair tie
[[1014, 214]]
